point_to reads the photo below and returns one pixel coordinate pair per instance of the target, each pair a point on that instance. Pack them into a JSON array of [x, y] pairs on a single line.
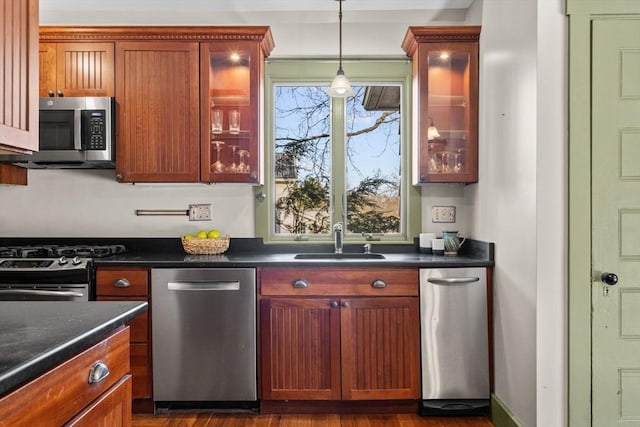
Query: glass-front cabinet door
[[446, 102], [232, 72]]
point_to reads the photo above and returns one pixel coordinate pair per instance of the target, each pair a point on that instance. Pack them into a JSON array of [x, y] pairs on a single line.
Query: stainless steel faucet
[[337, 237]]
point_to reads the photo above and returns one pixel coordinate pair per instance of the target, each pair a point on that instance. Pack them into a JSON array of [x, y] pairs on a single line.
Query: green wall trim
[[501, 416]]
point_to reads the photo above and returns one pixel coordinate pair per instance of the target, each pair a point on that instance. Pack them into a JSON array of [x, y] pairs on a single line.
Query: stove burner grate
[[57, 251]]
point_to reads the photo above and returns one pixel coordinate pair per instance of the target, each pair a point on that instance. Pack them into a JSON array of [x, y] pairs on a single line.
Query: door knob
[[609, 278]]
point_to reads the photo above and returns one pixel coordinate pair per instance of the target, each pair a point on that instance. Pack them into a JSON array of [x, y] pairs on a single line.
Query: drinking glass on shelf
[[218, 166], [216, 121], [434, 163], [233, 167], [459, 167], [234, 121], [243, 167]]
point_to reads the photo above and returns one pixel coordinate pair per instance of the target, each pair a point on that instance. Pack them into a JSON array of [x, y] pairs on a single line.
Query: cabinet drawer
[[346, 281], [112, 408], [122, 282], [63, 392]]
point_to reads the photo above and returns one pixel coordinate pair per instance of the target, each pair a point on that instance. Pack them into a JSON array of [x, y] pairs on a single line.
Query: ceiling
[[204, 6], [249, 12]]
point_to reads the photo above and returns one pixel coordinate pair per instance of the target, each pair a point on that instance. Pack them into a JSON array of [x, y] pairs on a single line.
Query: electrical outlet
[[443, 214], [200, 212]]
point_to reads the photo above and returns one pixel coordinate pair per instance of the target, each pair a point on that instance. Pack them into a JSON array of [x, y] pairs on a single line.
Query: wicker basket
[[197, 246]]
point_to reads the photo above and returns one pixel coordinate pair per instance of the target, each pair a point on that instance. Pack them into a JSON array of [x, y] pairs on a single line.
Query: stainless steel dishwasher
[[204, 336], [454, 341]]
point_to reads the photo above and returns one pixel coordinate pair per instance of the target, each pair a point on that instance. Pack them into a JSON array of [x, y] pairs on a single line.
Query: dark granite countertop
[[37, 336], [253, 253]]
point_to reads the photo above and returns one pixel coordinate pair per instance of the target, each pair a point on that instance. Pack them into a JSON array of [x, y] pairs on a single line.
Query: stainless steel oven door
[[40, 292]]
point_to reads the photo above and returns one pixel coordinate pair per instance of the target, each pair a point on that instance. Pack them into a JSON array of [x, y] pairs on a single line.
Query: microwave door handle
[[77, 130]]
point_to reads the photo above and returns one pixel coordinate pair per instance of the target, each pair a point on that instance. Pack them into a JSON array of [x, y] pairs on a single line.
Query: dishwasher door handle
[[222, 285], [452, 280]]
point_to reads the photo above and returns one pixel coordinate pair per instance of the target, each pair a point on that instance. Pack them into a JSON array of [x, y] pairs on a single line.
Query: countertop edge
[[21, 374]]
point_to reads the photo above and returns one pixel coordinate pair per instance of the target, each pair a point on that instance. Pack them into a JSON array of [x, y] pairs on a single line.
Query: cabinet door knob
[[122, 283], [300, 284], [379, 284], [334, 304], [345, 304], [98, 372]]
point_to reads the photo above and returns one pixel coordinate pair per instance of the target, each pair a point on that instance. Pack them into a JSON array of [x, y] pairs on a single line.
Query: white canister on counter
[[426, 242]]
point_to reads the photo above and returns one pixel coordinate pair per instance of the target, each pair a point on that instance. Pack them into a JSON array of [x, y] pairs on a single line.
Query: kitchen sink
[[330, 255]]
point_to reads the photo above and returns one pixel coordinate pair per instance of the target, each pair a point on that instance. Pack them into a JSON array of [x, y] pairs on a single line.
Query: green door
[[616, 221]]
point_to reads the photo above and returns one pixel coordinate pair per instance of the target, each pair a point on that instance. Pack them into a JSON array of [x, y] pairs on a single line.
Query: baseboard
[[501, 416]]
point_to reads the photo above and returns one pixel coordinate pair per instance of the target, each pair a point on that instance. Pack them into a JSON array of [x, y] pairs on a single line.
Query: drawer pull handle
[[300, 284], [98, 372], [122, 283], [379, 284]]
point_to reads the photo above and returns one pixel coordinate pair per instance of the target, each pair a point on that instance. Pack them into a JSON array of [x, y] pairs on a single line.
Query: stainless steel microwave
[[75, 132]]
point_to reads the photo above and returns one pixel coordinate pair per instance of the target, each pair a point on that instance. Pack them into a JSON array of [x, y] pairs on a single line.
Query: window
[[337, 160]]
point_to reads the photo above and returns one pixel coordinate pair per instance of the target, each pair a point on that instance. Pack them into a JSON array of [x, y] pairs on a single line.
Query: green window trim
[[322, 71]]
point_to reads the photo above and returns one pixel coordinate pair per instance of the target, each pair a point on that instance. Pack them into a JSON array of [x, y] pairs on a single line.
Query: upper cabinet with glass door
[[232, 74], [445, 120]]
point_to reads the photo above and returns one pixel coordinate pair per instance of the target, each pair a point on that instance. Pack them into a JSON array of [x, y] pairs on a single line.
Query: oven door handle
[[37, 292]]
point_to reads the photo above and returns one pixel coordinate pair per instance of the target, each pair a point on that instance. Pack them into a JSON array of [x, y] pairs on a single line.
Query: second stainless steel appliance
[[455, 340], [204, 335]]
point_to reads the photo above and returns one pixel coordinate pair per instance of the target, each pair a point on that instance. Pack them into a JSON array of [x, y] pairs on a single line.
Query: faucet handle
[[337, 226], [367, 248]]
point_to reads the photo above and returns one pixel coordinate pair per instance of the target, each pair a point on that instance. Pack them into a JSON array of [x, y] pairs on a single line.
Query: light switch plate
[[443, 214]]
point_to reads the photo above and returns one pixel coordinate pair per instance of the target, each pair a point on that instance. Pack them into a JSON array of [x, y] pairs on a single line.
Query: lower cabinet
[[132, 284], [339, 334], [63, 396]]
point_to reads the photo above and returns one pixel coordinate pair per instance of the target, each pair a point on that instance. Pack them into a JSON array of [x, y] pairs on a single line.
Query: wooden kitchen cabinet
[[76, 69], [63, 396], [158, 109], [339, 334], [232, 74], [445, 71], [132, 284], [167, 80], [19, 94]]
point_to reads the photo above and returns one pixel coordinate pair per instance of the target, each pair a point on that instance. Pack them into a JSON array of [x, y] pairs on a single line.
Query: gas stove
[[49, 272], [58, 251], [52, 258]]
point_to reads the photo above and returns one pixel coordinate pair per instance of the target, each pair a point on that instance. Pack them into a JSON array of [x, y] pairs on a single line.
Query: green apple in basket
[[213, 234]]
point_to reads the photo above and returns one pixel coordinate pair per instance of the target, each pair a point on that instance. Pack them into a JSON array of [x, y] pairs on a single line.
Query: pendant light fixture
[[340, 87]]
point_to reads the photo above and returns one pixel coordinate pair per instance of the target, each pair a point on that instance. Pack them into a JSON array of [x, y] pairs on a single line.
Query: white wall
[[520, 201], [551, 215], [503, 203]]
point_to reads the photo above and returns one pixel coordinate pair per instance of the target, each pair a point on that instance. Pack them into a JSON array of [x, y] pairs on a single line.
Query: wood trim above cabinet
[[167, 33], [415, 35]]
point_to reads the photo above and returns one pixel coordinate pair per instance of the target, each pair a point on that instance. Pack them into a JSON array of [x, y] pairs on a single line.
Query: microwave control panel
[[94, 129]]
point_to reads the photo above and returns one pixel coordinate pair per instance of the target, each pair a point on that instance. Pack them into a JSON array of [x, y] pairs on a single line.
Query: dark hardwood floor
[[208, 419]]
